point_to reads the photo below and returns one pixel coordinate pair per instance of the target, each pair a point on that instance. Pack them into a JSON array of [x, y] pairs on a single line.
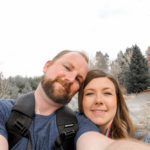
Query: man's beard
[[61, 97]]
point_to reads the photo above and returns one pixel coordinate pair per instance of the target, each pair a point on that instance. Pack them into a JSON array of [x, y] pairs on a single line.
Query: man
[[61, 80]]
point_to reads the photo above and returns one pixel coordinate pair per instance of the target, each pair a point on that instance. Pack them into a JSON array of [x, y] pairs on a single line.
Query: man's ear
[[47, 64]]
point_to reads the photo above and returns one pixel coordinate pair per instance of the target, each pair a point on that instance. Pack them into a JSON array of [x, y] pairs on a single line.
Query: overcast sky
[[33, 31]]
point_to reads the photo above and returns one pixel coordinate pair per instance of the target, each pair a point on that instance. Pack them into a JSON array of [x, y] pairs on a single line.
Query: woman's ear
[[47, 64]]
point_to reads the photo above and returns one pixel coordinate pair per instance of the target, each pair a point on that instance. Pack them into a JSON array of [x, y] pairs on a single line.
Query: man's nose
[[70, 77]]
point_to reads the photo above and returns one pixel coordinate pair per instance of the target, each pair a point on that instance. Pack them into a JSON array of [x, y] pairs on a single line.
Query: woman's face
[[100, 102]]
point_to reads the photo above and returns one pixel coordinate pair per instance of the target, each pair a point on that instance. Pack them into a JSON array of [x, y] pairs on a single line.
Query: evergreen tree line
[[130, 68], [16, 86]]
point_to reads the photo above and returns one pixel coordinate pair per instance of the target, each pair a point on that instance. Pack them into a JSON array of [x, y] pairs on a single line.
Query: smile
[[99, 112], [62, 86]]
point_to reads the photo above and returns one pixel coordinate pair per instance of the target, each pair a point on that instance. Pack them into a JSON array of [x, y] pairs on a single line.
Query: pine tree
[[137, 78], [148, 58]]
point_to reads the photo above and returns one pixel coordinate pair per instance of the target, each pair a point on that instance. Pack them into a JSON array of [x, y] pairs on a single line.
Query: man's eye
[[78, 80], [67, 68]]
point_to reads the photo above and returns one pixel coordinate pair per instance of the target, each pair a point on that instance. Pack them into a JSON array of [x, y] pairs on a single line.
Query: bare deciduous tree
[[4, 87]]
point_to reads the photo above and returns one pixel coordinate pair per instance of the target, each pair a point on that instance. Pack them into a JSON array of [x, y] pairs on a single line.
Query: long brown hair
[[122, 126]]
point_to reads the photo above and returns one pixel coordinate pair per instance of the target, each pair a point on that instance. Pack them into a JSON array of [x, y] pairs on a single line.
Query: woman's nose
[[99, 99]]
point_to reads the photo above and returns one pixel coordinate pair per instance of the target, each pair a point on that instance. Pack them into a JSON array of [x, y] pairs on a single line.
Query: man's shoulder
[[5, 111], [79, 115], [84, 121], [6, 104], [84, 125]]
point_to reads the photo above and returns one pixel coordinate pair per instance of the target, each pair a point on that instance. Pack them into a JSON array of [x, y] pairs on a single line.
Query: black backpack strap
[[20, 119], [67, 126]]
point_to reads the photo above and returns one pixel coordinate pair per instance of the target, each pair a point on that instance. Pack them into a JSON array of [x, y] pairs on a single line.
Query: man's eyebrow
[[72, 66]]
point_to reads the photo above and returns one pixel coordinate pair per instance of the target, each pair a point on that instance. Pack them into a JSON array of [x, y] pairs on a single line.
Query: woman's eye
[[107, 93], [87, 94]]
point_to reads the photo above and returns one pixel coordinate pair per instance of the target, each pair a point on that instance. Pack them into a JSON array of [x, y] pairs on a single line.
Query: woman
[[101, 100]]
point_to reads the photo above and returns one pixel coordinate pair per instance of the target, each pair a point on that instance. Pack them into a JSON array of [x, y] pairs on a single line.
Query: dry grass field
[[139, 107]]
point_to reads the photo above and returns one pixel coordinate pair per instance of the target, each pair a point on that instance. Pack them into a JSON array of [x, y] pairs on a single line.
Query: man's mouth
[[63, 84]]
